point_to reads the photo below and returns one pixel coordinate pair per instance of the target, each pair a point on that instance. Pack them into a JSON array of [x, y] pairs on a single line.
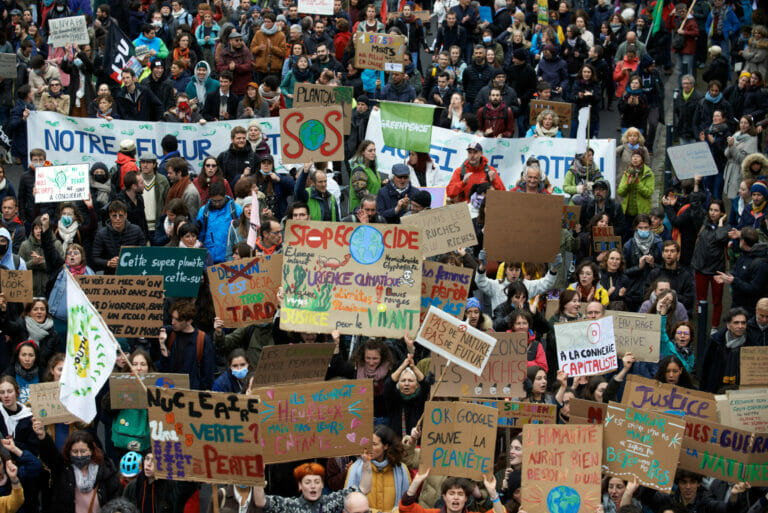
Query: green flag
[[407, 126], [657, 16]]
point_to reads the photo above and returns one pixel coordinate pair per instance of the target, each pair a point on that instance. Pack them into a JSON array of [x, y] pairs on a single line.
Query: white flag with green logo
[[407, 126]]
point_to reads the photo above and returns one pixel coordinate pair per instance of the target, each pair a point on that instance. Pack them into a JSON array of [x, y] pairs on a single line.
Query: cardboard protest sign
[[571, 216], [642, 444], [515, 415], [458, 439], [445, 287], [586, 348], [62, 183], [69, 30], [746, 409], [445, 229], [309, 95], [45, 404], [125, 392], [324, 7], [316, 420], [649, 394], [379, 51], [8, 65], [563, 110], [689, 160], [132, 306], [293, 363], [18, 286], [357, 278], [602, 231], [754, 365], [311, 134], [718, 451], [561, 468], [600, 244], [502, 376], [456, 341], [537, 240], [637, 333], [208, 437], [586, 412], [182, 268], [244, 292]]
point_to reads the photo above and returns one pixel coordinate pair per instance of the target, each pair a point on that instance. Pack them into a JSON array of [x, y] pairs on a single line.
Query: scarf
[[180, 55], [55, 95], [713, 99], [271, 31], [544, 132], [658, 230], [76, 269], [582, 171], [401, 475], [687, 95], [757, 210], [22, 58], [718, 21], [85, 482], [3, 184], [67, 234], [104, 115], [615, 27], [685, 351], [634, 91], [643, 245], [571, 42], [197, 245], [102, 191], [301, 76], [584, 293], [27, 374], [255, 144], [732, 342], [633, 147], [377, 376], [177, 189], [11, 420], [38, 330], [271, 97], [739, 138]]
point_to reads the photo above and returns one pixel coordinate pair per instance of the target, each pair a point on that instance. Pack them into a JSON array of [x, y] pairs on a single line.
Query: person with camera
[[182, 112]]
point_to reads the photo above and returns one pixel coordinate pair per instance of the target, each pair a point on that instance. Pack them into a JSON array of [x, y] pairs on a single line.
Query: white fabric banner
[[70, 140], [508, 156]]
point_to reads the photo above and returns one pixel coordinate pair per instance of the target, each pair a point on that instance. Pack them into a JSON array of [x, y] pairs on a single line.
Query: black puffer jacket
[[233, 161], [107, 244], [750, 273], [684, 112], [709, 251]]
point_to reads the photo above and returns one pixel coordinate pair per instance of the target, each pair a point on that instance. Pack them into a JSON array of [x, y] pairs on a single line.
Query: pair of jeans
[[684, 67]]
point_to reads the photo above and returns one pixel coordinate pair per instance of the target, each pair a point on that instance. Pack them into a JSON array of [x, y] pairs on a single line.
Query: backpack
[[130, 430], [200, 344], [232, 213]]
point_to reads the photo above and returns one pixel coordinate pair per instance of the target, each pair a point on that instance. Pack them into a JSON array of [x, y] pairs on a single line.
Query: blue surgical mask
[[643, 234], [78, 62], [486, 39], [66, 220], [240, 373]]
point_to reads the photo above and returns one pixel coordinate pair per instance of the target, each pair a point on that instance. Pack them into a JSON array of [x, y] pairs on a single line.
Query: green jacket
[[637, 195], [363, 180], [252, 338]]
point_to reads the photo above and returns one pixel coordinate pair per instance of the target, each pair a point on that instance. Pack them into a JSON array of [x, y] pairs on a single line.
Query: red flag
[[383, 12]]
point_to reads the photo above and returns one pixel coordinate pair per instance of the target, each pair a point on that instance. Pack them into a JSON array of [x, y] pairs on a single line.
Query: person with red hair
[[310, 478]]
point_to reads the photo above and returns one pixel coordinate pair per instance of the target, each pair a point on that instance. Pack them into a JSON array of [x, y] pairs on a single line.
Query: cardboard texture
[[515, 415], [637, 333], [132, 306], [316, 420], [125, 392], [642, 444], [690, 160], [311, 134], [64, 31], [571, 216], [245, 292], [18, 286], [46, 406], [456, 341], [316, 95], [293, 363], [444, 286], [715, 450], [62, 183], [537, 240], [600, 244], [207, 437], [182, 268], [602, 231], [649, 394], [561, 468], [754, 366], [379, 51], [502, 376], [458, 439], [586, 348], [587, 412], [357, 278], [745, 409], [445, 229], [8, 65], [563, 110]]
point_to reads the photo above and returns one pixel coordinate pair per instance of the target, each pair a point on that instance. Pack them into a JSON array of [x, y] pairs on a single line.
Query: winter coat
[[681, 280], [690, 33], [755, 102], [622, 79], [641, 191], [403, 92], [459, 190], [687, 216], [413, 31], [18, 130], [167, 496], [209, 84], [108, 242], [736, 155], [39, 271], [636, 275], [720, 366], [147, 106], [387, 199], [718, 69], [449, 36], [756, 56], [200, 35], [750, 277], [569, 52], [227, 382], [633, 114], [269, 60], [702, 118], [16, 330], [201, 372], [233, 161], [475, 78], [321, 208], [554, 71], [746, 164], [63, 488], [215, 227], [211, 110], [398, 407], [709, 251], [156, 44], [731, 25], [684, 113]]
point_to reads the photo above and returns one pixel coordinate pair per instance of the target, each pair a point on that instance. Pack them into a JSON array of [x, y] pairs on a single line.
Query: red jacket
[[622, 78], [500, 119], [459, 191], [126, 165], [340, 44], [690, 31]]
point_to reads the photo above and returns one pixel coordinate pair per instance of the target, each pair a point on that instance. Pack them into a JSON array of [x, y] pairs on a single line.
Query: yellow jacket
[[11, 503]]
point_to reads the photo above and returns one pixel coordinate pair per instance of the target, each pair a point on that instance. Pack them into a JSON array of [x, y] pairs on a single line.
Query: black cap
[[423, 198], [603, 184], [158, 63]]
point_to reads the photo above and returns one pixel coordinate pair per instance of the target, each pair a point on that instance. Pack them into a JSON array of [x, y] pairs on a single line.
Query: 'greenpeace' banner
[[71, 140], [508, 156]]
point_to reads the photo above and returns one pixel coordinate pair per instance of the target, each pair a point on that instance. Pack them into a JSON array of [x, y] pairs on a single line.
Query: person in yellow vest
[[321, 203]]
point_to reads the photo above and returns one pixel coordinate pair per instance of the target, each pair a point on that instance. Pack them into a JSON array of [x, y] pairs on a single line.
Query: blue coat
[[731, 24], [386, 201], [214, 230], [227, 383]]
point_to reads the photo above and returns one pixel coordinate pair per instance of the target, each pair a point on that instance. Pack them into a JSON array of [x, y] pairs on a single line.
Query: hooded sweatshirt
[[199, 89], [7, 259]]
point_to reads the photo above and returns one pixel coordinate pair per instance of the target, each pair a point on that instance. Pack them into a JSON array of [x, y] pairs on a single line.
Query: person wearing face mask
[[150, 494], [233, 381], [59, 9], [99, 185], [82, 477], [641, 253]]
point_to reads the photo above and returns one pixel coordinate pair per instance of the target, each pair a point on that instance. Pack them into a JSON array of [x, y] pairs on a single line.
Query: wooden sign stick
[[133, 371]]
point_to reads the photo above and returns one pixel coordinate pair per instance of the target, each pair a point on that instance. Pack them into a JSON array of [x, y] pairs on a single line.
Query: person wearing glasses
[[117, 232], [270, 237], [54, 99]]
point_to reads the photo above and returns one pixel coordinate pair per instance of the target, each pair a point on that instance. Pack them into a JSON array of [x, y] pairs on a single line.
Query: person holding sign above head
[[310, 477], [455, 492], [405, 392]]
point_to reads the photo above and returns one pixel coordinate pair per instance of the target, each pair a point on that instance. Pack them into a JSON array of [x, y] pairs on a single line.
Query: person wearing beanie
[[100, 187], [754, 214], [475, 318], [421, 201]]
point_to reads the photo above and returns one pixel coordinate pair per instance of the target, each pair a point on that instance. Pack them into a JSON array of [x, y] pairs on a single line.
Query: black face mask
[[100, 178], [3, 249]]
